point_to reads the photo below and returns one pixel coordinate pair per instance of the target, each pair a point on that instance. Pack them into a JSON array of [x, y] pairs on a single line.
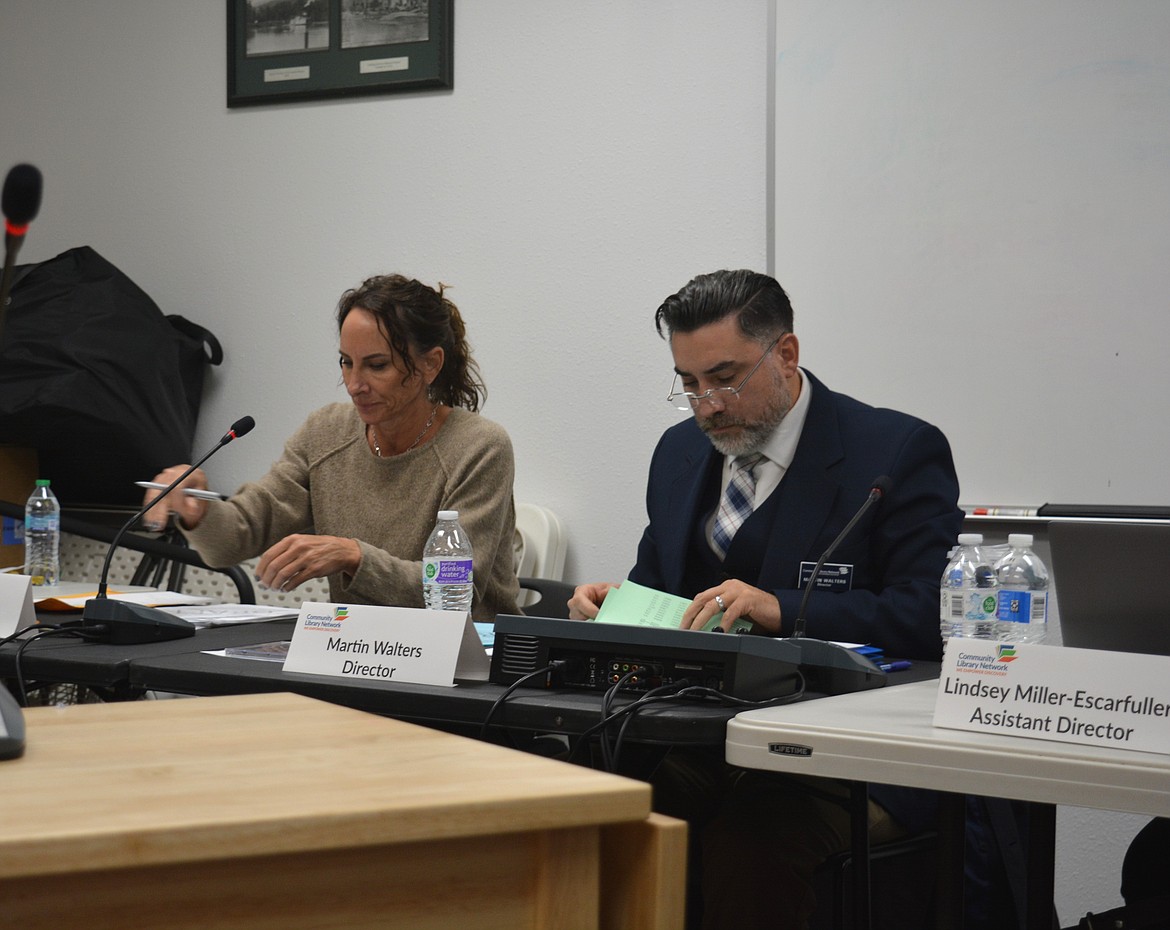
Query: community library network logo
[[1007, 654], [329, 622]]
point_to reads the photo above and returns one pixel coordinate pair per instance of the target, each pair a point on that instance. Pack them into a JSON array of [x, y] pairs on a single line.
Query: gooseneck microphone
[[123, 623], [879, 488], [21, 201], [828, 667]]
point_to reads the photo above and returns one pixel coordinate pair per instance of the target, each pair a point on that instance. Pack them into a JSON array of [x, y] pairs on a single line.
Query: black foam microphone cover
[[241, 427], [22, 194]]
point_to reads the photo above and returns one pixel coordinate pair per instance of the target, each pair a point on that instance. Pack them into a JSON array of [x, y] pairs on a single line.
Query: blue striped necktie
[[737, 503]]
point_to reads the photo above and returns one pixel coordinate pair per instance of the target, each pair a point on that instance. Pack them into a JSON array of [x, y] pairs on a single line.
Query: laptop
[[1111, 579]]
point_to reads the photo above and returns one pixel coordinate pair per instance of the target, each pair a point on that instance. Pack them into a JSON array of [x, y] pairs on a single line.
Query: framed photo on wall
[[289, 50]]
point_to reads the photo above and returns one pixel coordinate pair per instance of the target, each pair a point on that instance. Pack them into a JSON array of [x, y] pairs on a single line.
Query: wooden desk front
[[279, 811]]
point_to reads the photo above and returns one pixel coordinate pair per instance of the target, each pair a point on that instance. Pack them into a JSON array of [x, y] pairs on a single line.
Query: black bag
[[97, 380]]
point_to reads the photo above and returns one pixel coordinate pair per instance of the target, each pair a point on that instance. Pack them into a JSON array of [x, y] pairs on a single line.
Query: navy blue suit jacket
[[898, 550]]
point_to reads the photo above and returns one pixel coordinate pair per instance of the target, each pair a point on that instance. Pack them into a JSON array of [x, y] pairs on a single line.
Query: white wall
[[591, 159], [972, 205]]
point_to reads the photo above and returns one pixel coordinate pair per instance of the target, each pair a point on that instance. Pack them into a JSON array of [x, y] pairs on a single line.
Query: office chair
[[161, 552], [539, 553], [551, 597], [539, 557], [541, 542]]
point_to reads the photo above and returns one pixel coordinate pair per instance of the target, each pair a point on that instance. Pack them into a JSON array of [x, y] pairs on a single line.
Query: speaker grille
[[519, 654]]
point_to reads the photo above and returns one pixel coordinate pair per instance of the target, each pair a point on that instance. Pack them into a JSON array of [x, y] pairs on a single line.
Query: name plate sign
[[1087, 696], [16, 604], [392, 644]]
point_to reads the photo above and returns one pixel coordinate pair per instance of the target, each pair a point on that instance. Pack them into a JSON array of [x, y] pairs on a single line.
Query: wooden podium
[[278, 811]]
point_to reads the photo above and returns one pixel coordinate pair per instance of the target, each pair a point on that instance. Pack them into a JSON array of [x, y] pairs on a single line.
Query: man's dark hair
[[764, 311]]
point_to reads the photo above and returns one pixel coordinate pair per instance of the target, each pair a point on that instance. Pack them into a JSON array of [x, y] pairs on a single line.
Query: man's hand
[[587, 598], [736, 599], [299, 557]]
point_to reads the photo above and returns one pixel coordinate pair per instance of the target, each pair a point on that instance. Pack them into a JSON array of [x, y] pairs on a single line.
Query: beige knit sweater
[[329, 482]]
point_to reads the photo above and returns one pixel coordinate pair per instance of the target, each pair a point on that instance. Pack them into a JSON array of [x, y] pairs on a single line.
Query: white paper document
[[148, 598], [204, 615]]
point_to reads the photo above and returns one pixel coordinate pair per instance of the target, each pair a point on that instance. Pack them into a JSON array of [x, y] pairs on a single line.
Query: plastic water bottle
[[42, 535], [967, 602], [448, 565], [1023, 593]]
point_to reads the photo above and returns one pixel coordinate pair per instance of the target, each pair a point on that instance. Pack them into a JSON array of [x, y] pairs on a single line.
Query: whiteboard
[[972, 218]]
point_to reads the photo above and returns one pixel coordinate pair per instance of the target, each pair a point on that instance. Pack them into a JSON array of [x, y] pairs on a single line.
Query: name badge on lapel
[[834, 576]]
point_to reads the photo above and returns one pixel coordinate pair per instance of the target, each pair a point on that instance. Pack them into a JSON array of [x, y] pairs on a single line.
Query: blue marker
[[899, 666]]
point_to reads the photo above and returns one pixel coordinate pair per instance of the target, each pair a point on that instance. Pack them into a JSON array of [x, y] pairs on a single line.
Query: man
[[742, 501]]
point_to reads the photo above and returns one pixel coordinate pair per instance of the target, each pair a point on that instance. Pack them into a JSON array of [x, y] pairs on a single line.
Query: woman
[[355, 494]]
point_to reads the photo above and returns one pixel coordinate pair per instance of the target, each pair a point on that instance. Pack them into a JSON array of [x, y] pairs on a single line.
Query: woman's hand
[[190, 510], [297, 558]]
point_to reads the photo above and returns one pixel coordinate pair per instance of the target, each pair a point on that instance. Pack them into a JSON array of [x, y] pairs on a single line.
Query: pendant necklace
[[430, 422]]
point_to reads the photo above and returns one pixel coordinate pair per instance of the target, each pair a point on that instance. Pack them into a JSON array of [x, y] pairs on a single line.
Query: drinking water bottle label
[[981, 606], [969, 604], [447, 571], [1022, 606], [953, 605]]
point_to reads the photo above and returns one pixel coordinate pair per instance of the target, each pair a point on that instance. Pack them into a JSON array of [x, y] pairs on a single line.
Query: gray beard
[[752, 436], [751, 439]]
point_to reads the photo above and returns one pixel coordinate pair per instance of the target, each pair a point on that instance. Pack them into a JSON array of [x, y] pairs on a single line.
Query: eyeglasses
[[722, 395]]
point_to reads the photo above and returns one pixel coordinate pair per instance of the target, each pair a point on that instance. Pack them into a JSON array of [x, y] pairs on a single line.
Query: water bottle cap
[[41, 483], [970, 539], [448, 514], [1020, 540]]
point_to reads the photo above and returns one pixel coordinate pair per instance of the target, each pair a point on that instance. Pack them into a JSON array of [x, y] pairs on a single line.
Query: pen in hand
[[190, 492]]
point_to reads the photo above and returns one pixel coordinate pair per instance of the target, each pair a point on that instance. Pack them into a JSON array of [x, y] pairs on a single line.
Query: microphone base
[[832, 669], [123, 624]]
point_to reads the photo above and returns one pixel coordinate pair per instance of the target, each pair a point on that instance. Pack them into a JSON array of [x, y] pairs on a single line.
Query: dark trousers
[[756, 838]]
